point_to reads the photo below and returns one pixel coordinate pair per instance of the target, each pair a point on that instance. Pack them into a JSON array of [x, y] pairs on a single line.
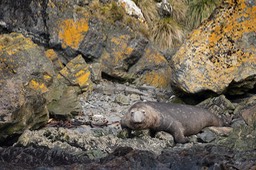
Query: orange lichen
[[122, 49], [38, 86], [156, 79], [51, 54], [83, 78], [77, 72], [154, 57], [216, 52], [72, 32], [14, 42]]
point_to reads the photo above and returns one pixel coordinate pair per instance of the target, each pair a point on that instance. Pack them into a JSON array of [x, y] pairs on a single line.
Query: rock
[[196, 157], [246, 109], [95, 69], [132, 9], [218, 105], [53, 56], [67, 24], [249, 115], [165, 8], [70, 28], [26, 74], [93, 43], [241, 138], [166, 137], [221, 131], [133, 60], [122, 99], [66, 138], [223, 59], [236, 123], [207, 136], [38, 158], [27, 17], [63, 100], [77, 73], [72, 82]]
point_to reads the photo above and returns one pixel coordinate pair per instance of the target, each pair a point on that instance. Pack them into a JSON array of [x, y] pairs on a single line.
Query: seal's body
[[177, 119]]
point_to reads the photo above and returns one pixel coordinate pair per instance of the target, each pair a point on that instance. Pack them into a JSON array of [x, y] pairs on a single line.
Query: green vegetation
[[110, 11], [167, 33], [179, 10], [199, 10], [149, 10]]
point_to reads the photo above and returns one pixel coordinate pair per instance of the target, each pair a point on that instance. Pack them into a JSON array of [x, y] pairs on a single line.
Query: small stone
[[122, 99], [249, 115], [134, 97], [207, 136], [223, 131]]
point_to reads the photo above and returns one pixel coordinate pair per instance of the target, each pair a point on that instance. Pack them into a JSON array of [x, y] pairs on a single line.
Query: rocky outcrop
[[89, 29], [197, 157], [72, 83], [219, 56], [25, 76]]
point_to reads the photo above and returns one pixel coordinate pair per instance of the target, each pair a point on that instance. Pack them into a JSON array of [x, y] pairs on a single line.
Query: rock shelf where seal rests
[[177, 119]]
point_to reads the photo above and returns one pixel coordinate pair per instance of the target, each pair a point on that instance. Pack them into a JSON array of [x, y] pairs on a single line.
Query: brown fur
[[177, 119]]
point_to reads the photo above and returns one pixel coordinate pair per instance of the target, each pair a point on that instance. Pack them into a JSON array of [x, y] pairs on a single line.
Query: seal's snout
[[138, 116]]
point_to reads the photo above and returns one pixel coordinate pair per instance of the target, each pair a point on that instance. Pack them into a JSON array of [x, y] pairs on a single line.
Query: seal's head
[[139, 116]]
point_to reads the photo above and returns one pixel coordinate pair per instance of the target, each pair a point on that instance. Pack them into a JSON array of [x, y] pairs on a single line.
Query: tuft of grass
[[149, 10], [167, 33], [110, 11], [179, 10], [199, 10]]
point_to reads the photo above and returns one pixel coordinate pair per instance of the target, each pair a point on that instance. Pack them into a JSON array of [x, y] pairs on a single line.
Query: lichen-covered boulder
[[134, 59], [72, 83], [26, 74], [220, 55], [100, 31]]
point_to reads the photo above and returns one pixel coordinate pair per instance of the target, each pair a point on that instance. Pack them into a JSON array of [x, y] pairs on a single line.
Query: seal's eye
[[143, 111], [132, 113]]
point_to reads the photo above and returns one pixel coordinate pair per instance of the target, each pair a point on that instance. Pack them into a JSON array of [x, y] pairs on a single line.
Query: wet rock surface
[[196, 157]]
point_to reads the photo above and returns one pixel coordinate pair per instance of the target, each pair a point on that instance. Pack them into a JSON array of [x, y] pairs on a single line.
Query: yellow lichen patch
[[47, 77], [14, 43], [121, 50], [82, 78], [154, 57], [77, 73], [72, 32], [51, 54], [38, 86]]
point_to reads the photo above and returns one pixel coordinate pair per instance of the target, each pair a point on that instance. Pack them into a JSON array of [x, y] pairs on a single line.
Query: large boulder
[[94, 30], [26, 16], [25, 76], [220, 55], [134, 59], [71, 84]]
